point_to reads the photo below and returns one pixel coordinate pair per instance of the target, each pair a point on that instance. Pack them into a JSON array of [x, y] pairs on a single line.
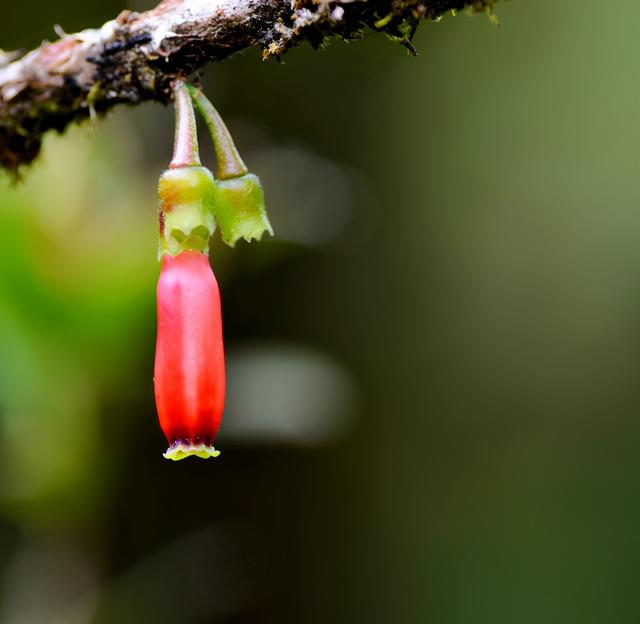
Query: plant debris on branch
[[137, 56]]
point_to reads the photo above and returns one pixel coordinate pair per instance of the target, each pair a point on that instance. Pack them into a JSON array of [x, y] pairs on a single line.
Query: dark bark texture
[[137, 56]]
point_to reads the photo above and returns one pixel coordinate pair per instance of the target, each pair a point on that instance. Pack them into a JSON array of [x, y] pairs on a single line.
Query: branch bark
[[136, 57]]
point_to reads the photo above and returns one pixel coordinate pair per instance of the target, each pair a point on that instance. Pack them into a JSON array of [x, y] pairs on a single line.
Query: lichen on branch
[[137, 56]]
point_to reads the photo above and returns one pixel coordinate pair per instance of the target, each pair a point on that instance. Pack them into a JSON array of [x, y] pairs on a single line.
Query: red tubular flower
[[189, 374]]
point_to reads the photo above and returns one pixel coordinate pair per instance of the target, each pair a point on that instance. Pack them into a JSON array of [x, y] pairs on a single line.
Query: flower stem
[[185, 144], [230, 163]]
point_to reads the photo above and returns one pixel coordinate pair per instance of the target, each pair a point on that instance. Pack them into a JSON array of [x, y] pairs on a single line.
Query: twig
[[137, 56]]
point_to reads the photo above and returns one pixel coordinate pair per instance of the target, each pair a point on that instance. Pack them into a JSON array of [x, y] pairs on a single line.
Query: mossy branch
[[137, 56]]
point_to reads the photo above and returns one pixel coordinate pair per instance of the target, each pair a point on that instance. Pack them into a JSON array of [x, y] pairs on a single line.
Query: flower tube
[[189, 374]]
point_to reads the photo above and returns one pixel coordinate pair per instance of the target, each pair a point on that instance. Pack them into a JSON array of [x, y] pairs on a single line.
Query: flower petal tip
[[181, 449], [249, 236]]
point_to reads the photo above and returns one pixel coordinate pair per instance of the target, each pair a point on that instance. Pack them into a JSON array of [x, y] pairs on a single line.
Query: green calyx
[[189, 199], [192, 200], [243, 215]]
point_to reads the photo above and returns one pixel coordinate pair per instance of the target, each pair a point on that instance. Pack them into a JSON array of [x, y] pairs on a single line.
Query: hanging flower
[[189, 375], [189, 372]]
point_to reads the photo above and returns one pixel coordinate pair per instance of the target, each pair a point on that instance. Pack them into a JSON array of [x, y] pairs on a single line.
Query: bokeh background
[[434, 366]]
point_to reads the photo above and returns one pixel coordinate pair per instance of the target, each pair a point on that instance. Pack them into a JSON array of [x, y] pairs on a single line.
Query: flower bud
[[243, 214], [189, 374]]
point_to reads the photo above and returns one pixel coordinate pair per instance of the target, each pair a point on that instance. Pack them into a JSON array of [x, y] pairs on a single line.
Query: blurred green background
[[433, 367]]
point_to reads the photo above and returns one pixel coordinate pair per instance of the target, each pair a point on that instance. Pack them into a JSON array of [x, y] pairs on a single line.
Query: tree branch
[[137, 56]]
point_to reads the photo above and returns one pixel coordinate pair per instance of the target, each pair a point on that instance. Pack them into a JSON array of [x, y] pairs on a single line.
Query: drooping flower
[[189, 373]]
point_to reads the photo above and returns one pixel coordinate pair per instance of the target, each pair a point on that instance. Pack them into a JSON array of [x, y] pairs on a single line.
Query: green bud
[[243, 214]]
